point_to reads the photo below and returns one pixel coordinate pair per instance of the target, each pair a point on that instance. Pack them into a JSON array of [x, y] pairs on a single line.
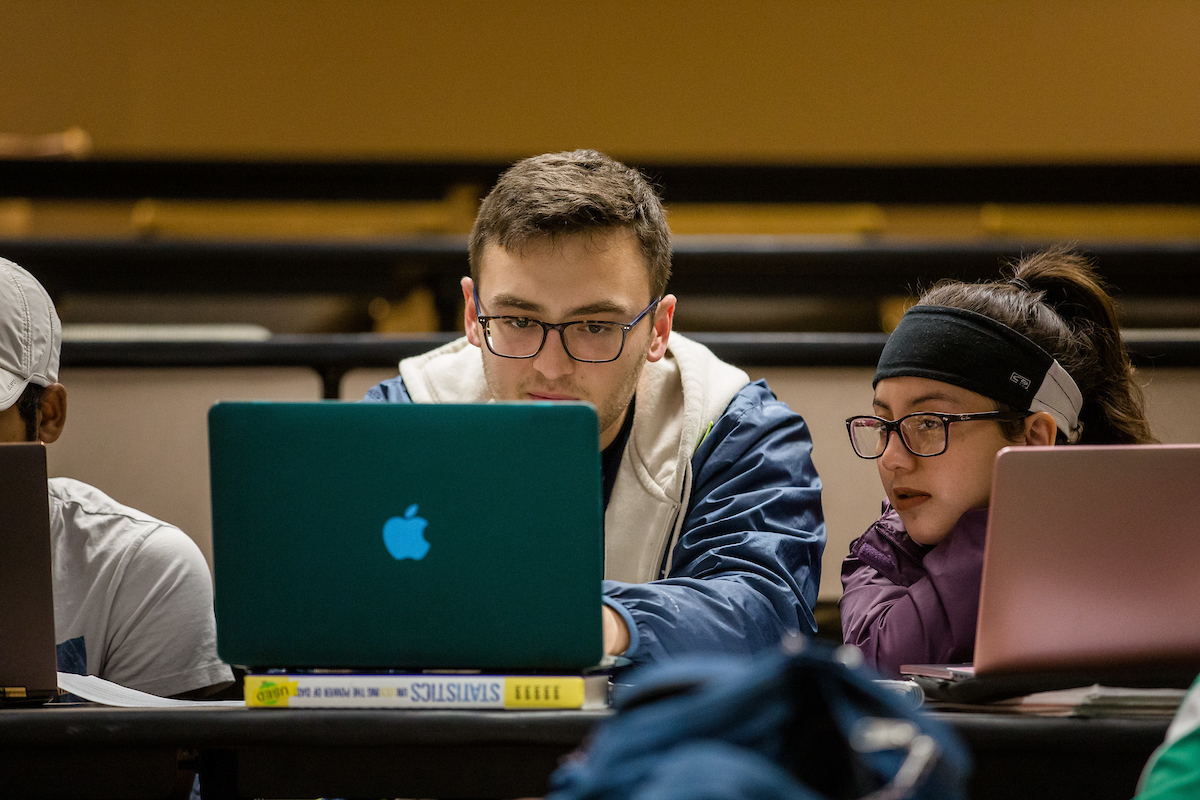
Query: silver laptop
[[28, 669], [1091, 568]]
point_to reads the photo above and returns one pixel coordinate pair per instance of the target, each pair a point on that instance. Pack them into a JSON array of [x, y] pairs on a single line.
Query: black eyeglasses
[[924, 434], [590, 341]]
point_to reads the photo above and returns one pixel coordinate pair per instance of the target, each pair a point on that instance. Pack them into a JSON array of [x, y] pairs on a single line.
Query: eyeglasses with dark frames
[[925, 434], [589, 341]]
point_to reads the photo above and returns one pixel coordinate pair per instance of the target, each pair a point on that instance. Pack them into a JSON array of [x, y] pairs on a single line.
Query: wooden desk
[[1035, 757], [81, 752], [78, 752]]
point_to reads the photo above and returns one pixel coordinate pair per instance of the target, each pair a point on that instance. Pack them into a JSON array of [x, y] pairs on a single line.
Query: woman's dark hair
[[1055, 298], [28, 406]]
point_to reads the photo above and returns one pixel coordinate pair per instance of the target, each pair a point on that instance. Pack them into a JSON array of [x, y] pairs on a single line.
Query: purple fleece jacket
[[906, 603]]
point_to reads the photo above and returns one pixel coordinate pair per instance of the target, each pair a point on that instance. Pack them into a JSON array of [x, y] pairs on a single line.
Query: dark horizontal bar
[[109, 179], [127, 265], [949, 183], [745, 265], [119, 179], [337, 353], [765, 265]]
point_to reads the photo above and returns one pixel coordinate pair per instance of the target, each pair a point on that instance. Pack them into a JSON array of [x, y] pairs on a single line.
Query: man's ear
[[470, 312], [1040, 428], [52, 415], [663, 315]]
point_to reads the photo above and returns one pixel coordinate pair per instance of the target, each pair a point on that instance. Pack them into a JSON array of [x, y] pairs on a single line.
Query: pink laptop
[[1092, 559], [1091, 569]]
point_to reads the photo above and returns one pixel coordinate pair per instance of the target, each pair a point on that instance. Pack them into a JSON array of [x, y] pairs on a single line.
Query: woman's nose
[[895, 453]]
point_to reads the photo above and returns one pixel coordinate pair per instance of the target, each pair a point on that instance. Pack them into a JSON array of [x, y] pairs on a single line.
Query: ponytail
[[1056, 299]]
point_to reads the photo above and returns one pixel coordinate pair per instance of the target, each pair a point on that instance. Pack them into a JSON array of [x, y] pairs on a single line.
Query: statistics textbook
[[439, 690]]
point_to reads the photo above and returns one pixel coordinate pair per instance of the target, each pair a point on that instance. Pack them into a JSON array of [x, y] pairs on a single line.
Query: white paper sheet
[[98, 690]]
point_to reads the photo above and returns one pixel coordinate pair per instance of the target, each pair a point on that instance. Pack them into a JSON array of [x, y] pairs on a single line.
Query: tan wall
[[790, 81], [141, 435]]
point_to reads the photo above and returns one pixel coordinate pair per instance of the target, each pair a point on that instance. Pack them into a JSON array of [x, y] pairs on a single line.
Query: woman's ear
[[52, 415], [1040, 428]]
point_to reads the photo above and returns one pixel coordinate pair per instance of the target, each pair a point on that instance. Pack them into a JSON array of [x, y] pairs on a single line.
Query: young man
[[713, 524], [133, 597]]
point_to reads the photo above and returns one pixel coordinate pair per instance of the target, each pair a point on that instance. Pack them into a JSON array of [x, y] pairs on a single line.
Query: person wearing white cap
[[133, 598], [1036, 359]]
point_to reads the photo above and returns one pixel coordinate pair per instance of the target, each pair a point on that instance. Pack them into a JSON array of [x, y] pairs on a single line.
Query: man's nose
[[553, 361]]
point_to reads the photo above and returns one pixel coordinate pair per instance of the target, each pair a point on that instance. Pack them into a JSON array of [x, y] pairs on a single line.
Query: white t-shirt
[[133, 599]]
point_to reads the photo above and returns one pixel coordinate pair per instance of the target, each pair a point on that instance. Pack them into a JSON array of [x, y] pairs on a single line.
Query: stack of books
[[1085, 701]]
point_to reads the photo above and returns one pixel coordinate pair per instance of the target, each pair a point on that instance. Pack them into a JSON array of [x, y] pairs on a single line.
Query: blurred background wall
[[847, 82]]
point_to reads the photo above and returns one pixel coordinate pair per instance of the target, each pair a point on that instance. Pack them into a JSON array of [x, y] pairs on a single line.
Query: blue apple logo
[[404, 536]]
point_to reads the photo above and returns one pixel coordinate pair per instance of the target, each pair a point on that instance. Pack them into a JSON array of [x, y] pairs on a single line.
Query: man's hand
[[616, 634]]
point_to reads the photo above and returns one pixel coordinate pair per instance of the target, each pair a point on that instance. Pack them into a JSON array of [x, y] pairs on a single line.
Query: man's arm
[[748, 562]]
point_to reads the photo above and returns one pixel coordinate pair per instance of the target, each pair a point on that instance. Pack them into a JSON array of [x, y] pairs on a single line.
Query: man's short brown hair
[[582, 191]]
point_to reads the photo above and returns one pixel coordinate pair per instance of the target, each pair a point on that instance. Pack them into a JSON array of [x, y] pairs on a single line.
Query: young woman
[[1034, 359]]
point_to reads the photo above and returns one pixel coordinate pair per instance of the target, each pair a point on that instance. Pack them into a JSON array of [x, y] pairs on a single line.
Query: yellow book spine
[[535, 692]]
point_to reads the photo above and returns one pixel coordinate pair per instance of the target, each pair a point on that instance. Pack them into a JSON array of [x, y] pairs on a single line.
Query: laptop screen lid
[[1091, 559], [397, 536], [28, 662]]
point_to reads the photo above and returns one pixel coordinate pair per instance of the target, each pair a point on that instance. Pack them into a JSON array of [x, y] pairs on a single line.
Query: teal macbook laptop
[[395, 536]]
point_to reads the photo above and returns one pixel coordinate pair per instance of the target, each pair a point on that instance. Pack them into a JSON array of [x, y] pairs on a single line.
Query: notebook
[[1091, 572], [28, 661], [394, 536]]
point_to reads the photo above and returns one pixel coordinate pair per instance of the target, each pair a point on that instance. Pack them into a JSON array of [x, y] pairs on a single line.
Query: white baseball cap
[[30, 334]]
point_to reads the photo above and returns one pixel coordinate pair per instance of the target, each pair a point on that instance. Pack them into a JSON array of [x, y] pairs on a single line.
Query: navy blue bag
[[803, 723]]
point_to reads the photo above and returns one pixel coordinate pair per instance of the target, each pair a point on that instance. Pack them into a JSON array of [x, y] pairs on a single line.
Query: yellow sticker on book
[[269, 691], [534, 692]]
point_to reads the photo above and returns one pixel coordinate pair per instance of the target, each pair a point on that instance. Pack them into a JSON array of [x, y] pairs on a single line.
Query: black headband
[[978, 353]]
